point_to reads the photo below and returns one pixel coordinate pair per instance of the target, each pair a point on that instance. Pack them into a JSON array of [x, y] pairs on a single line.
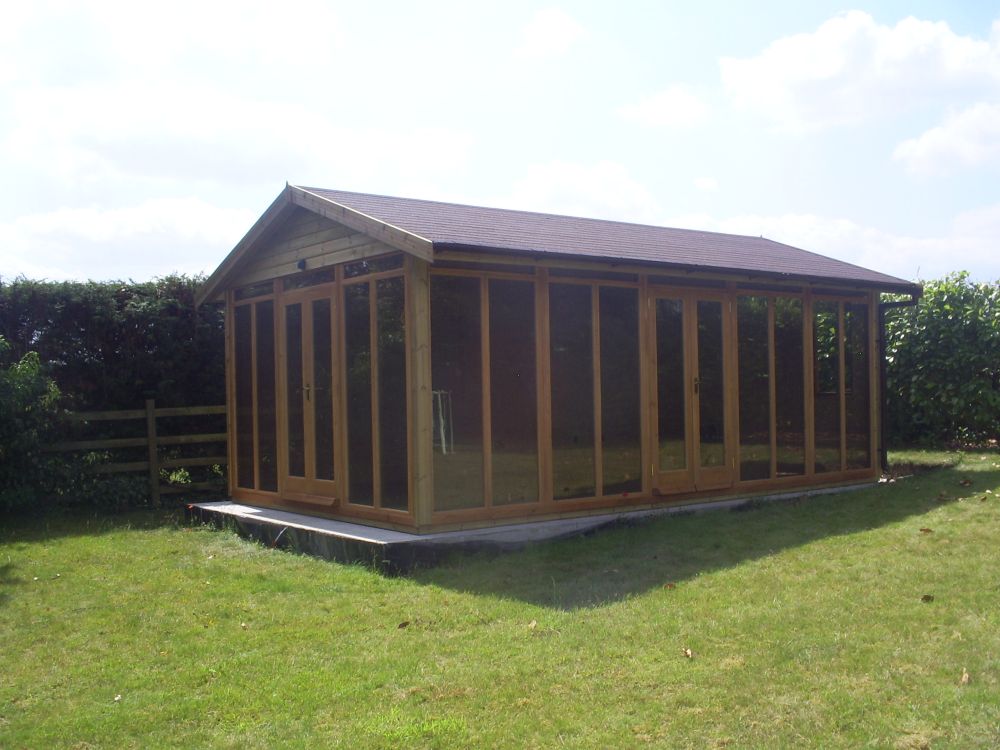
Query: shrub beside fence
[[162, 450]]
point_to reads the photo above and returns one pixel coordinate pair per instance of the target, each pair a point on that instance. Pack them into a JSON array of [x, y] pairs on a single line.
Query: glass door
[[310, 396], [691, 332]]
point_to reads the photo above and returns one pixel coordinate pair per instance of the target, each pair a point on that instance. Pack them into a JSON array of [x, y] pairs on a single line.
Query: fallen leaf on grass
[[533, 624], [926, 531], [966, 482], [927, 598], [965, 677], [942, 496], [117, 698], [403, 624], [688, 653], [670, 585], [244, 625]]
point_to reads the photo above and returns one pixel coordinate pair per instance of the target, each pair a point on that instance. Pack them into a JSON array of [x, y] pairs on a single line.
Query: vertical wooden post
[[422, 426], [154, 453]]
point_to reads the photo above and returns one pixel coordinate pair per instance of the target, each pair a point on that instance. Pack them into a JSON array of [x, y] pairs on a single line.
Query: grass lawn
[[806, 622]]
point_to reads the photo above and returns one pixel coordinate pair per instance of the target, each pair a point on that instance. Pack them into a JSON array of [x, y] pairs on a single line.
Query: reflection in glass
[[243, 374], [357, 366], [856, 386], [755, 392], [456, 384], [513, 405], [670, 391], [620, 403], [572, 361], [392, 393], [293, 372], [711, 398], [267, 412], [322, 388], [826, 359], [789, 387]]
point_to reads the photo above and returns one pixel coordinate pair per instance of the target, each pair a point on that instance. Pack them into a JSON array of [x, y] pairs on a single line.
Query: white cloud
[[706, 184], [675, 107], [603, 190], [969, 138], [120, 131], [148, 239], [549, 33], [970, 245], [852, 68]]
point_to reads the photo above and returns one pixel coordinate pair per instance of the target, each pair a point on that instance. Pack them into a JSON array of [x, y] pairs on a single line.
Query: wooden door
[[691, 336], [311, 408]]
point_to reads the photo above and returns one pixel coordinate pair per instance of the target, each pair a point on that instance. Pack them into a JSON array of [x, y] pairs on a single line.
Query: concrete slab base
[[398, 551]]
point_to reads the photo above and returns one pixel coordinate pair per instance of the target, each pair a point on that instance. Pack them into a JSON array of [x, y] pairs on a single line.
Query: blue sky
[[137, 140]]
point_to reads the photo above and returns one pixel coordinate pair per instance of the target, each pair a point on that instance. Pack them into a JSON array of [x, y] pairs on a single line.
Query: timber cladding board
[[325, 243]]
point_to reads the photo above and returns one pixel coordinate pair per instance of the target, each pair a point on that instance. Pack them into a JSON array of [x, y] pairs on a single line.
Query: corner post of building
[[422, 424]]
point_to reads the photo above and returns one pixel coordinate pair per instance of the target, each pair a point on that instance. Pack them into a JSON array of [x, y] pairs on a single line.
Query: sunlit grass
[[806, 622]]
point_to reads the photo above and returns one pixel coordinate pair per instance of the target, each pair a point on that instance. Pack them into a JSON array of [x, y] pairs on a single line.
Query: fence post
[[154, 453]]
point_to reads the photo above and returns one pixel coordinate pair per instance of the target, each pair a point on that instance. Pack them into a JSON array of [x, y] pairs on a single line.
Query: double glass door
[[692, 398], [310, 391]]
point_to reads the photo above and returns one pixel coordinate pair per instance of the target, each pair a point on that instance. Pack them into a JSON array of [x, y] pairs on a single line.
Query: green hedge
[[943, 362]]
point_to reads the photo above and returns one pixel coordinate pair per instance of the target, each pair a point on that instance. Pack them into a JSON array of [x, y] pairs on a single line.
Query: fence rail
[[152, 442]]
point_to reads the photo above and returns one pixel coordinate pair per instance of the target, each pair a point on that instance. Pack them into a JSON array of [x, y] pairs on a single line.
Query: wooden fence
[[153, 441]]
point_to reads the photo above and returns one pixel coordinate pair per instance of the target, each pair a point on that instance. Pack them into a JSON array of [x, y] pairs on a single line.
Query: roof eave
[[894, 286]]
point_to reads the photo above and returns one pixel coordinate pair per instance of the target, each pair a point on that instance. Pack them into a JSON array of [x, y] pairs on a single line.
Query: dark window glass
[[620, 400], [572, 361], [392, 393], [377, 264], [789, 387], [826, 349], [457, 395], [322, 388], [856, 386], [670, 390], [243, 373], [267, 416], [256, 290], [293, 376], [711, 381], [357, 370], [755, 390], [513, 405], [310, 278]]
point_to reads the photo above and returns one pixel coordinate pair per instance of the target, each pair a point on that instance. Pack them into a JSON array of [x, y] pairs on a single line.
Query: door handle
[[307, 388], [697, 382]]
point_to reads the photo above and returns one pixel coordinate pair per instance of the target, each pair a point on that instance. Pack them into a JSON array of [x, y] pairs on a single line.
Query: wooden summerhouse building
[[426, 365]]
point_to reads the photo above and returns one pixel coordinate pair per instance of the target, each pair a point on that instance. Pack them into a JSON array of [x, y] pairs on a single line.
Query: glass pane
[[358, 370], [512, 391], [856, 386], [377, 264], [392, 393], [711, 400], [620, 402], [243, 373], [755, 392], [322, 388], [670, 391], [310, 278], [789, 387], [293, 376], [457, 391], [826, 348], [572, 358], [267, 413]]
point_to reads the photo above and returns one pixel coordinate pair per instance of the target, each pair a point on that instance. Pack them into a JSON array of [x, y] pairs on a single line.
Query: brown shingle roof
[[455, 226]]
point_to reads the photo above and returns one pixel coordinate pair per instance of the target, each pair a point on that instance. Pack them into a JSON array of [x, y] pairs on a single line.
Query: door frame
[[693, 477], [309, 489]]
